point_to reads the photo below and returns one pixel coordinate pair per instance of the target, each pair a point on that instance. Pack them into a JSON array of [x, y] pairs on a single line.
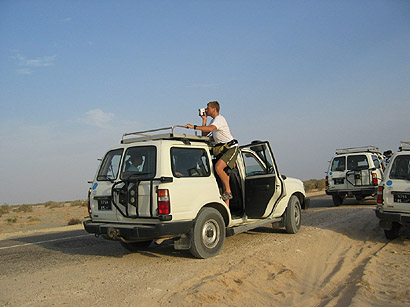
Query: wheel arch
[[302, 199], [222, 210]]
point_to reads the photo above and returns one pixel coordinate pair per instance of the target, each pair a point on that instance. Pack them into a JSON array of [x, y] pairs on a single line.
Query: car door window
[[376, 162], [110, 165], [338, 164], [139, 161], [253, 166]]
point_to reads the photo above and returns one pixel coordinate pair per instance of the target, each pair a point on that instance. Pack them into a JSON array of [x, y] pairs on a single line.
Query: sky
[[307, 76]]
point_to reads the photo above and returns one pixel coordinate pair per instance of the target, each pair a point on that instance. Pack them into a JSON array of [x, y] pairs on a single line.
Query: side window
[[258, 160], [338, 164], [110, 165], [139, 161], [401, 168], [253, 166], [376, 162], [357, 162], [189, 162]]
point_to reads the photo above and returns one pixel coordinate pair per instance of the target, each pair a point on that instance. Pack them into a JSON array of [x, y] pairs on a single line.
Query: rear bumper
[[138, 232], [365, 192], [386, 218]]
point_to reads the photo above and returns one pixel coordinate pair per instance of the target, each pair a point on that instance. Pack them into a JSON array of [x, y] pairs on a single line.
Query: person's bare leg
[[219, 167]]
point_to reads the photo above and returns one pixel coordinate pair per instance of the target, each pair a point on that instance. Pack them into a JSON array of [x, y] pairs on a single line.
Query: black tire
[[293, 215], [207, 234], [337, 200], [136, 246], [392, 233], [360, 197]]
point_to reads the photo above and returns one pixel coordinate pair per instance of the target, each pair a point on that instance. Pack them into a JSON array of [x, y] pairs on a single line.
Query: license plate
[[339, 180], [104, 204], [402, 198]]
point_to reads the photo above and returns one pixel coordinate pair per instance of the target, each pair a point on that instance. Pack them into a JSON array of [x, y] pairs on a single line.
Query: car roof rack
[[368, 148], [404, 145], [166, 133]]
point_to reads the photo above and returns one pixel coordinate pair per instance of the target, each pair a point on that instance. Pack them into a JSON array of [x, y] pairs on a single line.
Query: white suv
[[173, 193], [393, 195], [354, 172]]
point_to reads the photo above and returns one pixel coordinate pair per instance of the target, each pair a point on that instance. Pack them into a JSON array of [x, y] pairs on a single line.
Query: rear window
[[356, 163], [190, 162], [338, 164], [139, 162], [110, 165], [401, 168]]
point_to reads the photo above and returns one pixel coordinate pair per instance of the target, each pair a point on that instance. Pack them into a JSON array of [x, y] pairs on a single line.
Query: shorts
[[229, 157]]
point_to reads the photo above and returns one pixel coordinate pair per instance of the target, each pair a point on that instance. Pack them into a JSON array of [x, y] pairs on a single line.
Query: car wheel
[[293, 215], [337, 200], [393, 233], [360, 197], [135, 246], [207, 234]]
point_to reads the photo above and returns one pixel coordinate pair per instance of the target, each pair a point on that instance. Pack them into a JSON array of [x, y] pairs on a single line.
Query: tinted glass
[[253, 166], [401, 168], [110, 165], [376, 162], [139, 162], [338, 164], [355, 163], [189, 162]]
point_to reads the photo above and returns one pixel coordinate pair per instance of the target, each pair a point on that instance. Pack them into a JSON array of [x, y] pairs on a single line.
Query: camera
[[201, 112]]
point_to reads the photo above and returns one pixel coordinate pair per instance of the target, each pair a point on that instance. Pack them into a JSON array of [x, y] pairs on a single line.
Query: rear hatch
[[349, 172], [396, 196], [124, 187]]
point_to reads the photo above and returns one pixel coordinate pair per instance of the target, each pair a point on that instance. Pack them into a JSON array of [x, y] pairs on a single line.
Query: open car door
[[263, 184]]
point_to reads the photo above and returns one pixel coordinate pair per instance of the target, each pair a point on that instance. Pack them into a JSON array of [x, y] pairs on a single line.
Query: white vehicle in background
[[393, 195], [354, 172], [174, 194]]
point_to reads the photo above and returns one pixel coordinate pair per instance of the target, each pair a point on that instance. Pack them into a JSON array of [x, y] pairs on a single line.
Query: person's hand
[[189, 126]]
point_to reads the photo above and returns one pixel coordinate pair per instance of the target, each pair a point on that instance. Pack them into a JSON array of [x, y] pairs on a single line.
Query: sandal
[[226, 196]]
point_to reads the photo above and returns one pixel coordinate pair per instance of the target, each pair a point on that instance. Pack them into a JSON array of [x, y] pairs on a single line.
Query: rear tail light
[[380, 195], [164, 205], [374, 179], [89, 202], [327, 181]]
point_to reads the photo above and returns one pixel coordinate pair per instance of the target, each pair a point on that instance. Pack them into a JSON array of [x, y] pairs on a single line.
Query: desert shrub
[[79, 203], [74, 221], [4, 209], [33, 219], [11, 220], [53, 204], [24, 208], [314, 184]]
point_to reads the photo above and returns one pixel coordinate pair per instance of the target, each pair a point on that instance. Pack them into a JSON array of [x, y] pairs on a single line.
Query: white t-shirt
[[221, 134]]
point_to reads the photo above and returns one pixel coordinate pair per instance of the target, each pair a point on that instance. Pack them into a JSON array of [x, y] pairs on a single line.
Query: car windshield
[[401, 168]]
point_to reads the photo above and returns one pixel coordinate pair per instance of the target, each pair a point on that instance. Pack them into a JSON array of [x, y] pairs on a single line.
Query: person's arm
[[205, 129]]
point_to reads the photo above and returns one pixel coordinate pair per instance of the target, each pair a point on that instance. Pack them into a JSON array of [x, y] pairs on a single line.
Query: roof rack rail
[[368, 148], [161, 134], [404, 145]]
